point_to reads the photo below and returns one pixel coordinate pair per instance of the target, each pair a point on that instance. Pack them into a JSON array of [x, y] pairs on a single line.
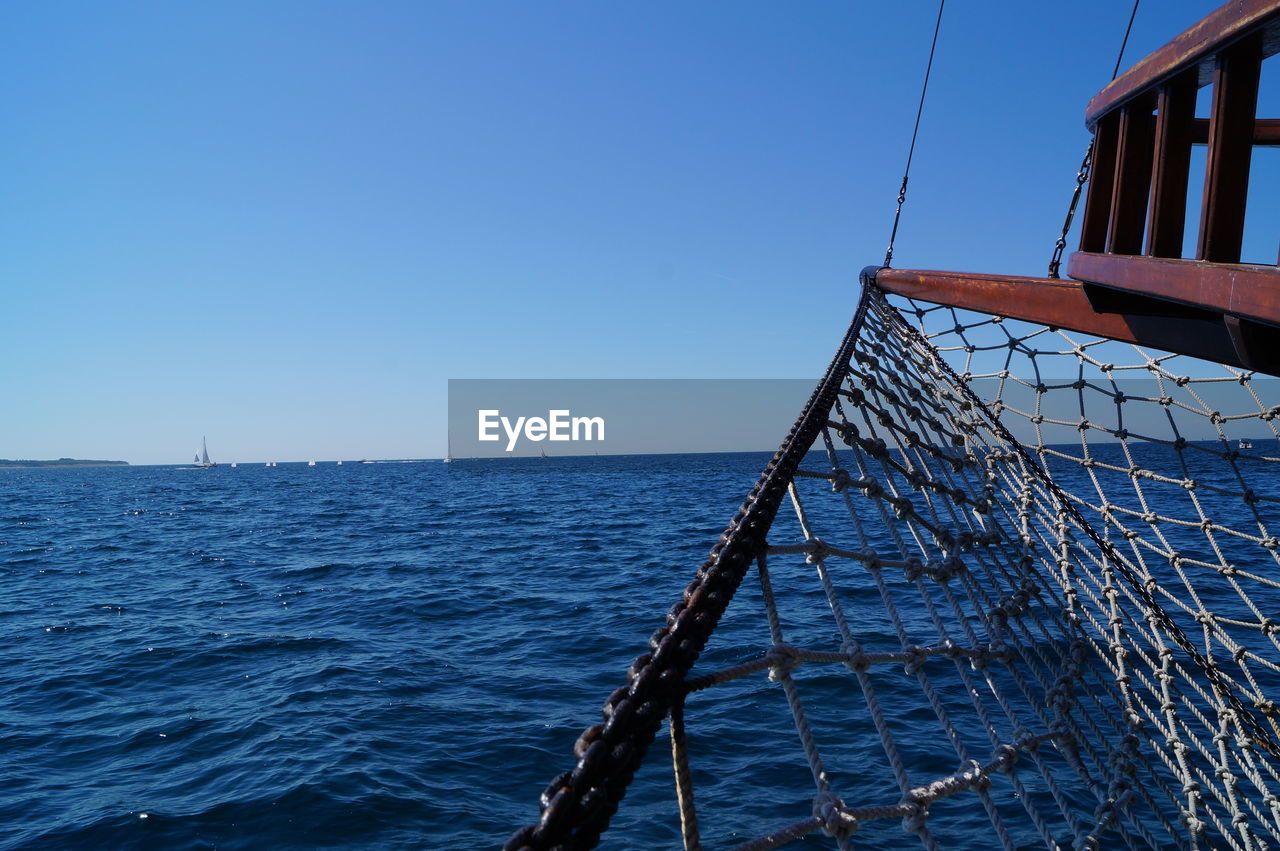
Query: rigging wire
[[902, 192], [1086, 165], [1115, 72]]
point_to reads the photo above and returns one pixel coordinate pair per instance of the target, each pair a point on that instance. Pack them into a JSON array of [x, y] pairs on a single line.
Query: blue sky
[[286, 225]]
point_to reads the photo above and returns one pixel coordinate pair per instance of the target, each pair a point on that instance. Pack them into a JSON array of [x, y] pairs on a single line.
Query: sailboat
[[448, 457], [202, 457]]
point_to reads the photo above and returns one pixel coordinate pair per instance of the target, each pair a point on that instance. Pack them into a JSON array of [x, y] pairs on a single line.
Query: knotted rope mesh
[[1025, 594]]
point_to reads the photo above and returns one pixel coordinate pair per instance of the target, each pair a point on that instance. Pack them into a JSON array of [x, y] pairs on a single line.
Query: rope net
[[1023, 594]]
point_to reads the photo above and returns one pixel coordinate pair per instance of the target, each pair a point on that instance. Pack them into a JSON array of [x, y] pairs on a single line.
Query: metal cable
[[915, 131]]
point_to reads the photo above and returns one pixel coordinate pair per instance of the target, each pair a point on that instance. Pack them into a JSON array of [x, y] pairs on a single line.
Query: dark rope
[[577, 805], [902, 191], [1082, 176]]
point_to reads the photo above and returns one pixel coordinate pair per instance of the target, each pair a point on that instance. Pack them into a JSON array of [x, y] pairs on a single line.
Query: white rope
[[1060, 676]]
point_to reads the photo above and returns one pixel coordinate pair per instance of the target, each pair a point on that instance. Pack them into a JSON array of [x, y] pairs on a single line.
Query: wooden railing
[[1144, 127], [1132, 281]]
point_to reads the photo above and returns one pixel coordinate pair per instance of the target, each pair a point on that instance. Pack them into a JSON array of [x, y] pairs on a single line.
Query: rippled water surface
[[368, 655], [386, 655]]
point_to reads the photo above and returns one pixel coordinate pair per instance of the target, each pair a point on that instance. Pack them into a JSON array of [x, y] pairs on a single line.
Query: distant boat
[[339, 463], [234, 465], [1244, 444], [544, 455], [311, 463], [202, 457]]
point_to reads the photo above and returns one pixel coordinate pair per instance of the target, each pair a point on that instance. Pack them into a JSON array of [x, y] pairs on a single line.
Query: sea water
[[369, 655], [377, 655]]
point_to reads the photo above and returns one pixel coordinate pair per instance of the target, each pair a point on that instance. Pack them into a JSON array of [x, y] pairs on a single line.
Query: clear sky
[[286, 225]]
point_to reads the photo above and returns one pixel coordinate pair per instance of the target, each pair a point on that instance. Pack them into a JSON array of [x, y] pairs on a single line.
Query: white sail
[[202, 457]]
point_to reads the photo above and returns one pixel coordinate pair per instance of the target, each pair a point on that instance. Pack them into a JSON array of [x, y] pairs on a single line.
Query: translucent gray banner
[[523, 418]]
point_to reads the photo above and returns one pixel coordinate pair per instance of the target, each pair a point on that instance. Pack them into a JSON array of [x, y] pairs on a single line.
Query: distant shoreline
[[62, 462]]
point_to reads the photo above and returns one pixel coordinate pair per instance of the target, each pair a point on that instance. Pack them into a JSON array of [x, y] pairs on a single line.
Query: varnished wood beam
[[1097, 310], [1243, 289], [1047, 301], [1266, 132]]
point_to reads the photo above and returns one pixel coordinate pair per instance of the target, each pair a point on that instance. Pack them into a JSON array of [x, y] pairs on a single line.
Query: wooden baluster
[[1133, 176], [1097, 207], [1231, 130], [1175, 122]]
